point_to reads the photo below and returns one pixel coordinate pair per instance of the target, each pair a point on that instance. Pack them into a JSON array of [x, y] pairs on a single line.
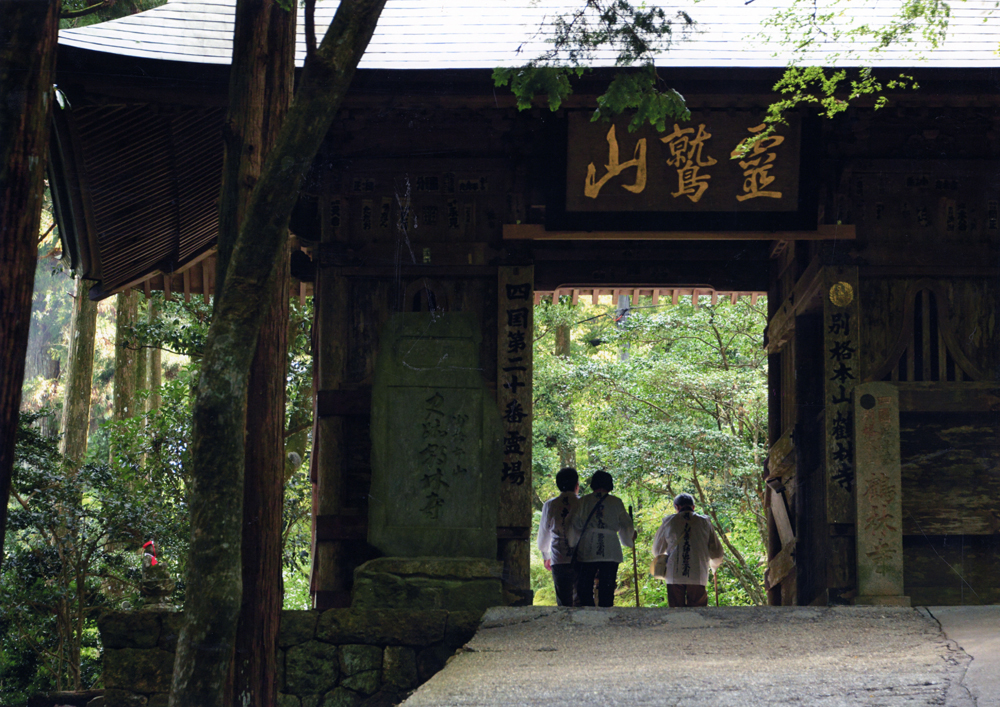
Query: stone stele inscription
[[879, 494], [436, 436]]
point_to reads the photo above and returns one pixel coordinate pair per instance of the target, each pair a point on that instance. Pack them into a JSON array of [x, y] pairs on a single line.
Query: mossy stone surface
[[428, 583], [341, 697], [382, 626], [297, 627], [399, 668], [143, 670], [361, 666], [311, 668], [129, 629]]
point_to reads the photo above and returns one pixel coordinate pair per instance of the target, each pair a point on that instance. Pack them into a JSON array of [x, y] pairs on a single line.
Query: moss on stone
[[382, 626], [129, 629], [140, 669], [399, 667], [297, 627], [311, 668]]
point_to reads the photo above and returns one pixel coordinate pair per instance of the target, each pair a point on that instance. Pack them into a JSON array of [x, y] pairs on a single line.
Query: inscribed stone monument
[[436, 438], [879, 495]]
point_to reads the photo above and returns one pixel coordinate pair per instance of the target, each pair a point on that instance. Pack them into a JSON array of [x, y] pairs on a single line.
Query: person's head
[[567, 479], [602, 481], [684, 502]]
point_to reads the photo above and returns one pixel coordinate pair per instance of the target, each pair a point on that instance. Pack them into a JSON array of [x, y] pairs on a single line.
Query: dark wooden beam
[[334, 403], [537, 232], [968, 396], [341, 527]]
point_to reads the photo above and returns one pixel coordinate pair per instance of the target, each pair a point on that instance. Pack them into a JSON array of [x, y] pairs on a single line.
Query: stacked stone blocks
[[335, 658]]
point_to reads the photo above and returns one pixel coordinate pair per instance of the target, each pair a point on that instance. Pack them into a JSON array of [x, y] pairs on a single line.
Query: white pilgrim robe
[[691, 546], [553, 529], [609, 524]]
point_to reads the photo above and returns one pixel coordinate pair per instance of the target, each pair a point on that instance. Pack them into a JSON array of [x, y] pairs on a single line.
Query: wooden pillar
[[331, 578], [842, 371], [515, 313], [774, 422]]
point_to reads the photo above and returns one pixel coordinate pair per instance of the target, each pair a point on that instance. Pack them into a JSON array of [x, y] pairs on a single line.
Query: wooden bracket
[[781, 460], [782, 324], [781, 565], [513, 532]]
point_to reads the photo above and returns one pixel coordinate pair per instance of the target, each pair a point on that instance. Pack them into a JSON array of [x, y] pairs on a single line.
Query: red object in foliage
[[152, 547]]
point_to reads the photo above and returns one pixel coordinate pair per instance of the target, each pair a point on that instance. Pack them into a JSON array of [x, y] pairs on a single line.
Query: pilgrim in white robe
[[609, 528], [691, 546], [554, 527]]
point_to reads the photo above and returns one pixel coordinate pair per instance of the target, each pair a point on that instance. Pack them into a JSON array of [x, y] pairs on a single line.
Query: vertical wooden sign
[[842, 371], [515, 315], [878, 475]]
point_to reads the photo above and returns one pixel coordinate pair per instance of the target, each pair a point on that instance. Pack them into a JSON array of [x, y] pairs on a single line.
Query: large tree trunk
[[126, 315], [255, 666], [28, 30], [75, 424], [216, 500], [260, 92]]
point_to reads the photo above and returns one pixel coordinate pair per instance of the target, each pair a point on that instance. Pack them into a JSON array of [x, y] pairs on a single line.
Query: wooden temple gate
[[879, 258]]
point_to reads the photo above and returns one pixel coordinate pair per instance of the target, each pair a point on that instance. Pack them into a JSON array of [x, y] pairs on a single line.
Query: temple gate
[[875, 236]]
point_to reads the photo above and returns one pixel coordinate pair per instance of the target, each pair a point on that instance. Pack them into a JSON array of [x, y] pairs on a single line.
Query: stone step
[[740, 656]]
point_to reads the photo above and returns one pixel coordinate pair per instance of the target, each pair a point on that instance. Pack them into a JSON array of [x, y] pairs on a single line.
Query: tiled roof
[[482, 34]]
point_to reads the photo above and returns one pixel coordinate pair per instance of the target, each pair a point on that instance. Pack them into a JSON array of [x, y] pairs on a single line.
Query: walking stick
[[715, 576], [635, 566]]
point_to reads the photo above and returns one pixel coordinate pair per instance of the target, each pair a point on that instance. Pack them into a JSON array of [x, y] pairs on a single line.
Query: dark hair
[[602, 480], [684, 500], [567, 479]]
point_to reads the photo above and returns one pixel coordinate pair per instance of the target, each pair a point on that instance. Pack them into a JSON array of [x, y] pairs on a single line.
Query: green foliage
[[532, 80], [634, 34], [80, 13], [91, 523], [839, 35], [181, 327], [156, 444], [684, 410], [71, 541], [637, 92]]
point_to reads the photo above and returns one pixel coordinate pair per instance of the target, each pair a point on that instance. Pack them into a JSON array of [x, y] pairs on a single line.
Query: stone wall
[[335, 658]]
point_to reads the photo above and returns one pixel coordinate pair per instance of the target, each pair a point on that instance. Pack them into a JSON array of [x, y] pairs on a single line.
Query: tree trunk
[[126, 315], [214, 582], [567, 453], [260, 91], [75, 424], [255, 666], [28, 31], [141, 382], [154, 361]]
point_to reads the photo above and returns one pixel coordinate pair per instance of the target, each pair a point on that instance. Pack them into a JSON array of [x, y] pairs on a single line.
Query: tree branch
[[73, 14]]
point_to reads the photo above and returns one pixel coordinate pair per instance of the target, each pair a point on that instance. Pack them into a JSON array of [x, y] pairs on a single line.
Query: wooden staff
[[635, 565], [715, 576]]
